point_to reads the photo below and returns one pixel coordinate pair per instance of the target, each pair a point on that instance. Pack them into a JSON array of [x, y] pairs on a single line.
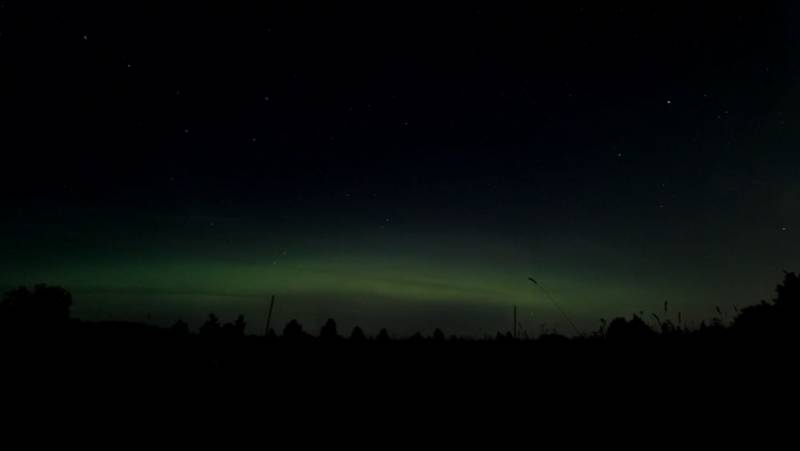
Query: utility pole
[[269, 315]]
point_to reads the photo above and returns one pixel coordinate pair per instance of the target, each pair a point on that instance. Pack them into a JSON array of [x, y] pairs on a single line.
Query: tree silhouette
[[357, 336], [293, 331], [383, 336], [774, 319], [788, 292], [632, 331], [41, 310], [328, 331], [179, 328], [235, 329], [240, 324], [212, 326]]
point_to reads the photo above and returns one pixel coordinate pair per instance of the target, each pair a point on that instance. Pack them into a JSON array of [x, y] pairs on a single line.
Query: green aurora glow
[[405, 281]]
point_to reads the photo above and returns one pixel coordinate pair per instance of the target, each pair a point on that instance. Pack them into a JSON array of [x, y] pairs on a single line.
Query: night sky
[[400, 166]]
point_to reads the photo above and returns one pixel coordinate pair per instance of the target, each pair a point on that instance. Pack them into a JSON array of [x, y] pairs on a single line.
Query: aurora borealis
[[401, 169]]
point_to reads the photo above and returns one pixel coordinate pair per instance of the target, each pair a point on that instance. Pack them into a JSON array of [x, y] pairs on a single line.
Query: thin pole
[[269, 315]]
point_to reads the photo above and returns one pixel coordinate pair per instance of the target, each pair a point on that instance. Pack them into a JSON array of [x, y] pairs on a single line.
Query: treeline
[[45, 311]]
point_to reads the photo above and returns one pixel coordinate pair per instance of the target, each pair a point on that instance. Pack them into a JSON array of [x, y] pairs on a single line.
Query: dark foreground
[[754, 353]]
